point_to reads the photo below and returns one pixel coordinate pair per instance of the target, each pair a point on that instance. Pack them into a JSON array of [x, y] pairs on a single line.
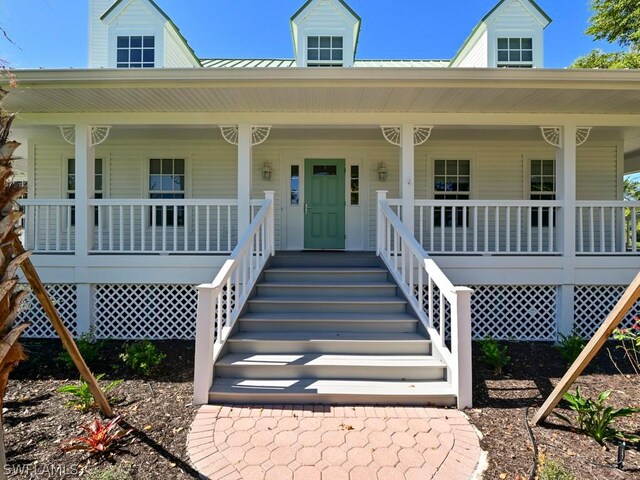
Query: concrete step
[[325, 259], [331, 322], [320, 274], [330, 391], [314, 304], [326, 290], [328, 366], [370, 343]]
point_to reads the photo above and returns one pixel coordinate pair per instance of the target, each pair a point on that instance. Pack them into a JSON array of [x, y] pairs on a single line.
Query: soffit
[[388, 90]]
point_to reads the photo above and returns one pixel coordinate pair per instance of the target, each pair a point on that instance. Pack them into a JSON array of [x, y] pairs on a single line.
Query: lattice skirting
[[507, 312], [592, 303], [156, 312], [64, 298]]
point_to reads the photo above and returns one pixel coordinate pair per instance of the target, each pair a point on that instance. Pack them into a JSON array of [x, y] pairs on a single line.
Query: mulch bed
[[160, 410], [499, 413]]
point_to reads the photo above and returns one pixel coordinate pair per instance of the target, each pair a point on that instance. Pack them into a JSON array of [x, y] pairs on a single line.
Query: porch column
[[244, 177], [407, 187], [84, 183], [566, 192], [85, 165]]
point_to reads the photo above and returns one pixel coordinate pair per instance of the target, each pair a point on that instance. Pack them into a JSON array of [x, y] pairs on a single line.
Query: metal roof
[[290, 63]]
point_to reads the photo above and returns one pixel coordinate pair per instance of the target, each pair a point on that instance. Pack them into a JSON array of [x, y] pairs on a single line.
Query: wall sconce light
[[266, 171], [382, 171]]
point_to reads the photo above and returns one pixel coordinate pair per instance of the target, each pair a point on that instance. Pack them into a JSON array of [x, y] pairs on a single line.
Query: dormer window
[[324, 51], [515, 52], [136, 52]]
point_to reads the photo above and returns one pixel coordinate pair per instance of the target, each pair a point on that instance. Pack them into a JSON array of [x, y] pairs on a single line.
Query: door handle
[[306, 208]]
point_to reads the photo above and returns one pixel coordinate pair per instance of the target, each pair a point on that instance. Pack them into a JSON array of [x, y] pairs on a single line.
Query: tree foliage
[[631, 189], [614, 60], [616, 21]]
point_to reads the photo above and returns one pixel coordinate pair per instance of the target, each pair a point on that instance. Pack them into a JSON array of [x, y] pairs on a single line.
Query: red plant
[[100, 436]]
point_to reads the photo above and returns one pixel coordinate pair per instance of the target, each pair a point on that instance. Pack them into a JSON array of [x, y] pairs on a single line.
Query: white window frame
[[509, 50], [143, 47], [325, 63], [149, 192]]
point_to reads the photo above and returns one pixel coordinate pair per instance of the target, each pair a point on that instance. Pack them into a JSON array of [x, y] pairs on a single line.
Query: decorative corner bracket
[[421, 134], [551, 135], [98, 134], [259, 134]]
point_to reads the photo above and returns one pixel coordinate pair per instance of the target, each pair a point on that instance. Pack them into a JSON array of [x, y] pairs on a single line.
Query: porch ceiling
[[328, 91]]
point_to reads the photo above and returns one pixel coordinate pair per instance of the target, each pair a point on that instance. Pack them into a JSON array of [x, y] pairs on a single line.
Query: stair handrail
[[416, 274], [217, 311]]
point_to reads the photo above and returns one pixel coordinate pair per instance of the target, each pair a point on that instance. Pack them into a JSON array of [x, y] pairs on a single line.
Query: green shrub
[[81, 396], [571, 346], [89, 347], [550, 470], [494, 355], [595, 419], [143, 357], [110, 473]]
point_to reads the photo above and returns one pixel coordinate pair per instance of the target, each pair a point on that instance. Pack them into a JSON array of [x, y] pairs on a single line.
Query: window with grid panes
[[98, 176], [452, 181], [324, 51], [136, 51], [167, 181], [515, 52], [355, 185], [542, 187]]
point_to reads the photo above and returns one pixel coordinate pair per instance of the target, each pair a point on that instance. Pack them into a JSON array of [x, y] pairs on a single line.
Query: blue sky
[[53, 33]]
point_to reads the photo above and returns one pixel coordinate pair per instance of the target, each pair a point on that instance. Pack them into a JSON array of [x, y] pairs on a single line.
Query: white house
[[148, 167]]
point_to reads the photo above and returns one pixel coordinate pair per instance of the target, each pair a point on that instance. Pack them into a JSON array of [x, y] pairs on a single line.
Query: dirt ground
[[160, 410]]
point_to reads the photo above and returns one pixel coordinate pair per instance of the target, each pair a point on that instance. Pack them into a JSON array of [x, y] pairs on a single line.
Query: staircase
[[329, 328]]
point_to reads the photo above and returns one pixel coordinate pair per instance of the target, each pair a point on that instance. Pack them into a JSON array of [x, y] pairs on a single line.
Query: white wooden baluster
[[591, 231]]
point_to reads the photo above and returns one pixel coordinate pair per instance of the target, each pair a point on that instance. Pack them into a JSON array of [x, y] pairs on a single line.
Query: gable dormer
[[325, 34], [135, 34], [509, 36]]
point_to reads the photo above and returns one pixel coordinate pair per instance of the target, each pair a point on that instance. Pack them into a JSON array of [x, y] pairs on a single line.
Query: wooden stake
[[67, 340], [631, 294]]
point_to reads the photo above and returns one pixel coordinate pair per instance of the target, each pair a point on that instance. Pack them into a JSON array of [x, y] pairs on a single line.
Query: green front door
[[324, 204]]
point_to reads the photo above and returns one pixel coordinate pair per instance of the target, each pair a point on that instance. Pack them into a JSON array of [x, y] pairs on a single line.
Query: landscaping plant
[[81, 396], [629, 339], [143, 357], [89, 347], [494, 355], [550, 470], [100, 437], [570, 346], [596, 419]]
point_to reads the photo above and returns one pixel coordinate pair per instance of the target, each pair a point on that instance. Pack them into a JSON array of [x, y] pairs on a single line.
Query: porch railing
[[164, 226], [220, 302], [444, 310], [48, 225], [607, 227], [488, 227]]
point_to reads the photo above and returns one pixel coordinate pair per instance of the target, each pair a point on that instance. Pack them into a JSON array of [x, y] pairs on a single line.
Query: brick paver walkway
[[317, 442]]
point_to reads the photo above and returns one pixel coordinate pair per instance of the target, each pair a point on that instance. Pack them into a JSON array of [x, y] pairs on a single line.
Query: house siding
[[98, 34], [475, 55]]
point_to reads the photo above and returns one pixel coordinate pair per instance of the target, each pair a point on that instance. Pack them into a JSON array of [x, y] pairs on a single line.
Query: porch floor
[[317, 442]]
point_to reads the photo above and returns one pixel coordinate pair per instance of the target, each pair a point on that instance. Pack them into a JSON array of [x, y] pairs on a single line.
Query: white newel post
[[461, 346], [407, 183], [382, 196], [84, 183], [203, 374], [566, 159], [245, 139], [271, 195]]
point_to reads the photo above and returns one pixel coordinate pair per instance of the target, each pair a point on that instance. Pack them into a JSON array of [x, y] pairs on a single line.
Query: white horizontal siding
[[475, 56], [98, 34], [514, 16], [326, 17], [138, 13], [596, 173], [176, 53]]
